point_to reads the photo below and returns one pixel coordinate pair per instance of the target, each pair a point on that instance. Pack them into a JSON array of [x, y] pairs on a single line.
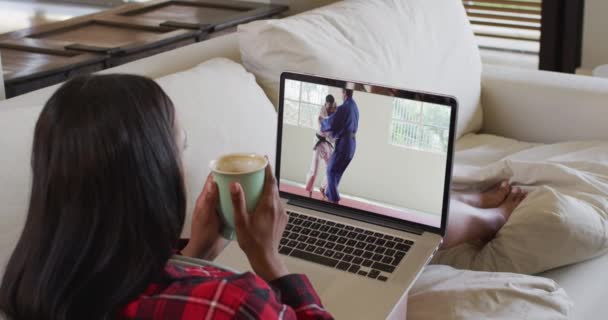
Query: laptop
[[375, 212]]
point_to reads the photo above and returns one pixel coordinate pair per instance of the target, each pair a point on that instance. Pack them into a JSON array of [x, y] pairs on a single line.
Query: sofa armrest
[[540, 106]]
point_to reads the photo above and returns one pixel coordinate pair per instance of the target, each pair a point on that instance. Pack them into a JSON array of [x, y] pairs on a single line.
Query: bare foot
[[322, 190], [488, 199], [497, 217]]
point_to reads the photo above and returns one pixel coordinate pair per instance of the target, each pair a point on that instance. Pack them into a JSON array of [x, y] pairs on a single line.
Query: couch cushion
[[223, 110], [415, 44]]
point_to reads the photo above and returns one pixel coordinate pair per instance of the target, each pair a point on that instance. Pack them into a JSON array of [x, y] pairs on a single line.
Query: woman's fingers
[[202, 198], [241, 217]]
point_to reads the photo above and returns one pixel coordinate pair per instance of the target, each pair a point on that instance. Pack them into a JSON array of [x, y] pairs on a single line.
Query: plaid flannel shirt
[[210, 293]]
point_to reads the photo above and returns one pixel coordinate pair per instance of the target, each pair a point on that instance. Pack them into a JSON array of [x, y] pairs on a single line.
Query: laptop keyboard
[[350, 249]]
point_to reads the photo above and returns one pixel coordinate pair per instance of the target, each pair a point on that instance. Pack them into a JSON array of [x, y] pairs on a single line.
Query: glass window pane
[[292, 90], [405, 134], [406, 110], [314, 93], [309, 115], [436, 115], [434, 139], [290, 113]]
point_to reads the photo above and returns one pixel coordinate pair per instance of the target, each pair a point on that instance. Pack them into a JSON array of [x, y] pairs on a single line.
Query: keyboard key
[[370, 247], [289, 227], [339, 225], [387, 260], [380, 242], [311, 240], [301, 246], [361, 237], [315, 233], [314, 258], [330, 245], [338, 255], [321, 242], [315, 226], [333, 230], [342, 240], [408, 242], [351, 235], [382, 278], [398, 240], [292, 244], [351, 243], [387, 237], [367, 263], [402, 247], [370, 239], [324, 228], [293, 236], [286, 234], [343, 233], [305, 232], [354, 268], [293, 214], [313, 219], [368, 232], [367, 255], [349, 228], [320, 251], [324, 235], [333, 238], [378, 235], [377, 257], [310, 248], [297, 222], [330, 223], [390, 252], [361, 245], [296, 229], [383, 267], [283, 241], [339, 247], [373, 274], [397, 258], [380, 250], [358, 260], [343, 265], [302, 238], [390, 244], [329, 253], [291, 219], [358, 252], [358, 230], [306, 224], [285, 250], [348, 250], [362, 273], [348, 258]]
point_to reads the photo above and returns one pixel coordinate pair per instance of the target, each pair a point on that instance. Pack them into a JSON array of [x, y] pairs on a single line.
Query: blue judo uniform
[[343, 125]]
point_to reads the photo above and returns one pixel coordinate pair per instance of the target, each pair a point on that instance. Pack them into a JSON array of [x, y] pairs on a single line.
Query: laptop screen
[[371, 148]]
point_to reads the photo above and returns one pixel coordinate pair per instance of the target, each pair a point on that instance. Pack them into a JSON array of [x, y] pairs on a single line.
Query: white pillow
[[564, 220], [414, 44], [223, 110], [444, 293]]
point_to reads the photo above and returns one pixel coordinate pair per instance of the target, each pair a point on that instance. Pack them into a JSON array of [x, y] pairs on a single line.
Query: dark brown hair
[[107, 201]]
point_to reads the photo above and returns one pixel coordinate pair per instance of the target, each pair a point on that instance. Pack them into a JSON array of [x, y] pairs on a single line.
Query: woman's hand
[[205, 239], [259, 233]]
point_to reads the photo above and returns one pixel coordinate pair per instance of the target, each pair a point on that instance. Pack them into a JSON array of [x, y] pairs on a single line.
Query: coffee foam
[[240, 163]]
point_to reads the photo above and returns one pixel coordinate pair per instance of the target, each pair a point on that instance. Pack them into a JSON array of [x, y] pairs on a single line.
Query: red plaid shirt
[[210, 293]]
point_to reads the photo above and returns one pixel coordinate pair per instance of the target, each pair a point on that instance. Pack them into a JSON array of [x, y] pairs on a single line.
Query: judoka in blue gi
[[343, 126]]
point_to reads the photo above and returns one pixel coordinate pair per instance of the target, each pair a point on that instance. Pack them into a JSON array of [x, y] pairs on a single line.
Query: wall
[[595, 46], [381, 172]]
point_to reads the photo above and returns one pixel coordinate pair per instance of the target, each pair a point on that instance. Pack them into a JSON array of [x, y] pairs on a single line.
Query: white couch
[[522, 104]]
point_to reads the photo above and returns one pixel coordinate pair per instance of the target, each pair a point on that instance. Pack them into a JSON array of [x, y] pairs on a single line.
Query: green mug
[[248, 170]]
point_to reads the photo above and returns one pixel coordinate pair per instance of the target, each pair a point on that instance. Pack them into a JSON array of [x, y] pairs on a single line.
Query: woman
[[322, 149], [107, 207]]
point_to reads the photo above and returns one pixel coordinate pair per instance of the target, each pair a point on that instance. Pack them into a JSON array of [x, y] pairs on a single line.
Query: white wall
[[595, 45], [381, 172]]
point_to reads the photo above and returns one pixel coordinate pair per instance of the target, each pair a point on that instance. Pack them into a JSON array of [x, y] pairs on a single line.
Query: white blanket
[[563, 220]]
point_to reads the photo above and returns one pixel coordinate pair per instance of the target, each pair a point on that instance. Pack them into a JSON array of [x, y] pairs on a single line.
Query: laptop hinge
[[351, 214]]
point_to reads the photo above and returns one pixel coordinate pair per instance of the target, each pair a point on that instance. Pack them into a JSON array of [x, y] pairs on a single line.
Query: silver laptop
[[366, 185]]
